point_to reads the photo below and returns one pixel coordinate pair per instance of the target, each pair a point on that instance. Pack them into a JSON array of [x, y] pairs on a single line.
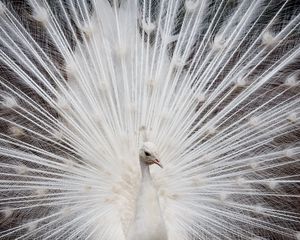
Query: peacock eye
[[147, 154]]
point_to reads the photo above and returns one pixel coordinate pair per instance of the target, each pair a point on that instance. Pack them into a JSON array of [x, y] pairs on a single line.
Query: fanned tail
[[214, 83]]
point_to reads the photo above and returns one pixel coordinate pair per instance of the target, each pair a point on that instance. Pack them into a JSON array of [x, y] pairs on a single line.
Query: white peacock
[[93, 92]]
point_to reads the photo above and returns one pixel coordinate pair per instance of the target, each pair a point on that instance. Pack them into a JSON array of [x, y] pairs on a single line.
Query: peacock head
[[149, 155]]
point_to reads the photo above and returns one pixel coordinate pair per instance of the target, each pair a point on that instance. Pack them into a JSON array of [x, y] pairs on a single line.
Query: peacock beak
[[156, 161]]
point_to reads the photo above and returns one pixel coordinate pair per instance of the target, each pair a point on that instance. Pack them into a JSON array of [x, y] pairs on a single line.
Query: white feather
[[213, 83]]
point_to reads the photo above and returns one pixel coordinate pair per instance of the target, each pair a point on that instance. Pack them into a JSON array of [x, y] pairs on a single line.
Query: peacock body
[[93, 92]]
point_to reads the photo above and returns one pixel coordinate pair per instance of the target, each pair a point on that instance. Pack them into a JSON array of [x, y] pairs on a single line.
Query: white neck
[[145, 170], [148, 223]]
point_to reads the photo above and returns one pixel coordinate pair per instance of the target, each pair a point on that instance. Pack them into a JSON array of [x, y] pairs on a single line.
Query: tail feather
[[214, 83]]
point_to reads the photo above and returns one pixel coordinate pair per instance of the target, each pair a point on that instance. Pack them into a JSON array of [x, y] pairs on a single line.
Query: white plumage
[[93, 92], [148, 222]]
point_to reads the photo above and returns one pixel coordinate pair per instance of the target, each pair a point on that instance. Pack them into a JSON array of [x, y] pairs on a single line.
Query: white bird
[[93, 92], [148, 221]]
